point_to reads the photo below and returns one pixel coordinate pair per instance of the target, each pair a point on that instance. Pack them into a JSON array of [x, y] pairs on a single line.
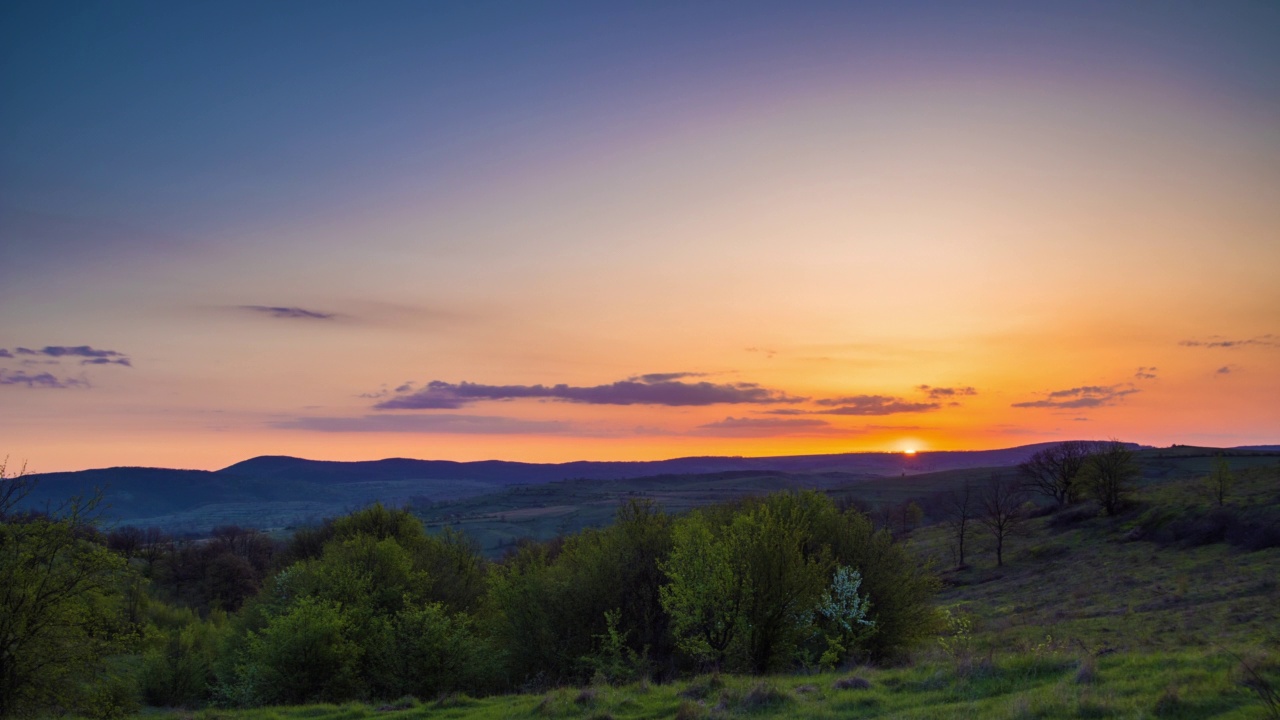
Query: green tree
[[309, 653], [1218, 484], [59, 601], [706, 593]]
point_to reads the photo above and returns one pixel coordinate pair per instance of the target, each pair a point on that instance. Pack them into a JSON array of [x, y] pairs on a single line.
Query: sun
[[909, 451]]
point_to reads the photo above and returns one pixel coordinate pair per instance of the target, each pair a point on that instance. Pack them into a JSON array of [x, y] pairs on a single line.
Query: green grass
[[1048, 684]]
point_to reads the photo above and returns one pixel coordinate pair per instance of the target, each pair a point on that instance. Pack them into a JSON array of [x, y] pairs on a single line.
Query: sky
[[552, 231]]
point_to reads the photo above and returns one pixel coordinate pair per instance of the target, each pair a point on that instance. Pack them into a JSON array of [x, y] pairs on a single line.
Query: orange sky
[[822, 246]]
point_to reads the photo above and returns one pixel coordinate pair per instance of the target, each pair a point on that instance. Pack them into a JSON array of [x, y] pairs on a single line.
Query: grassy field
[[1048, 683], [1090, 617]]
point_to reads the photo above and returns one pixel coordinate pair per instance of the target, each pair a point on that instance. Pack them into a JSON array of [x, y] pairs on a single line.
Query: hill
[[280, 491]]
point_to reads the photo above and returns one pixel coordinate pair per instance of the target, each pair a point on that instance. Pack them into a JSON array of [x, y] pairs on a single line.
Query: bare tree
[[1055, 471], [1109, 474], [960, 510], [1001, 502]]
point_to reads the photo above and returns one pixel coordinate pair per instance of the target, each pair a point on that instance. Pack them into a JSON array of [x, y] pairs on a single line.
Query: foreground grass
[[1048, 684]]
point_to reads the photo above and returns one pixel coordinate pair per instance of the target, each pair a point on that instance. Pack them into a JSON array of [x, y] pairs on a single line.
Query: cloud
[[767, 352], [1225, 370], [664, 377], [107, 361], [1145, 373], [444, 424], [873, 405], [94, 355], [439, 395], [295, 313], [936, 393], [754, 427], [1086, 396], [1214, 341], [40, 380]]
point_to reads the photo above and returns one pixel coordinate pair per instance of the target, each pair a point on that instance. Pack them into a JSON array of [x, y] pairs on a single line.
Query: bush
[[306, 655]]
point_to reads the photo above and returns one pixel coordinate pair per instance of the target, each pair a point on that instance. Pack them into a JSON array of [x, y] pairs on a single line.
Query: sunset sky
[[552, 231]]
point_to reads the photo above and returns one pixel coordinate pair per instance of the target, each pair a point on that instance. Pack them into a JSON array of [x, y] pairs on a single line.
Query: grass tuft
[[853, 682]]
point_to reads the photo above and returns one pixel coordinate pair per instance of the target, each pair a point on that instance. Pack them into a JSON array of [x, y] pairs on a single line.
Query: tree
[[1219, 482], [1055, 471], [705, 594], [1002, 513], [1109, 474], [960, 508], [58, 591]]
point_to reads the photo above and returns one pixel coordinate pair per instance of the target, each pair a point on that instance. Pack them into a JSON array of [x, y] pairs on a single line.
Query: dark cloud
[[1087, 396], [873, 405], [665, 377], [937, 393], [439, 395], [78, 351], [39, 380], [1145, 373], [1267, 340], [96, 356], [1225, 370], [751, 427], [289, 312], [448, 424], [107, 361], [787, 411]]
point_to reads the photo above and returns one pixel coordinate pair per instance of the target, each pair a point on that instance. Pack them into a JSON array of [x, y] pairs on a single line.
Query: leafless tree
[[960, 510], [1002, 513], [1109, 475], [1055, 470]]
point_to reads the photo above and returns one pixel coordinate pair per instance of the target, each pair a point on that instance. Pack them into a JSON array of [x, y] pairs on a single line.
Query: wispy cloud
[[440, 395], [664, 377], [1145, 373], [946, 393], [289, 313], [766, 427], [1217, 341], [107, 361], [39, 380], [873, 405], [1225, 370], [92, 355], [1085, 396], [453, 424]]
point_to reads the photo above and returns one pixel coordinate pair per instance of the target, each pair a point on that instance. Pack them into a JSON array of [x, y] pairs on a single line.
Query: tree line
[[370, 606]]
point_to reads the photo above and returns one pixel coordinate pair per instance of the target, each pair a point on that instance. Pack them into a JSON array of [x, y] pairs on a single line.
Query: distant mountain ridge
[[276, 491]]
